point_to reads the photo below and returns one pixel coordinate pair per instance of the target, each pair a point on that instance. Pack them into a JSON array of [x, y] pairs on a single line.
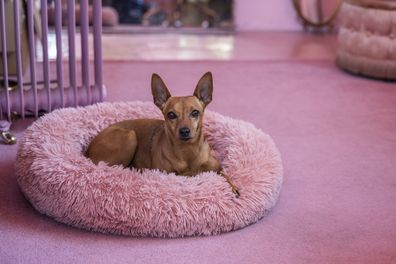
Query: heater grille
[[33, 82]]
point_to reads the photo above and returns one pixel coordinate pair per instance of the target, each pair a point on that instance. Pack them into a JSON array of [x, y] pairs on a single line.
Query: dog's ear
[[204, 88], [159, 90]]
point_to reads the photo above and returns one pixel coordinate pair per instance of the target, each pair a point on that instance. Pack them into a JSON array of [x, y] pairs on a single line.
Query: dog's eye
[[171, 115], [195, 113]]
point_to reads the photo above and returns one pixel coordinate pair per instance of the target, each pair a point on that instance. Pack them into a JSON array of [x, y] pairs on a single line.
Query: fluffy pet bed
[[60, 182]]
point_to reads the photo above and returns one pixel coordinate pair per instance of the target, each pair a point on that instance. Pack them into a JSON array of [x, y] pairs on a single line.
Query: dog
[[176, 144]]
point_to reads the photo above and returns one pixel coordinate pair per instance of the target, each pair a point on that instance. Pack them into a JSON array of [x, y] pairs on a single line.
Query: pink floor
[[337, 136]]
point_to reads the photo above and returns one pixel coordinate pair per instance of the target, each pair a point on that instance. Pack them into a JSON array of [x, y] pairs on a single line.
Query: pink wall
[[265, 15], [271, 14]]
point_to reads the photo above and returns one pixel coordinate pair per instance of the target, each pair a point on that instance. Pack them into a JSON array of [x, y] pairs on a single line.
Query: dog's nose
[[184, 132]]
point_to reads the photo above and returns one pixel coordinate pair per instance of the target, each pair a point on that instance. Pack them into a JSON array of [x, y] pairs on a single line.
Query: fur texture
[[60, 182]]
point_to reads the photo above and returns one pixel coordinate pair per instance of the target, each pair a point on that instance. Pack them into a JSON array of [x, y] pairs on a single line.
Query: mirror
[[317, 14]]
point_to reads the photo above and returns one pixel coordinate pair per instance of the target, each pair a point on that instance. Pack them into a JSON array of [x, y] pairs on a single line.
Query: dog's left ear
[[159, 90], [204, 89]]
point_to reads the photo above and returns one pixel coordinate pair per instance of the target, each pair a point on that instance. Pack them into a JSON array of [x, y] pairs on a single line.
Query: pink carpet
[[337, 136]]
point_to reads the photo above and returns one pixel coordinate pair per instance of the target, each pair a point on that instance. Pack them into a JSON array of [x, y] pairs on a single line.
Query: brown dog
[[176, 144]]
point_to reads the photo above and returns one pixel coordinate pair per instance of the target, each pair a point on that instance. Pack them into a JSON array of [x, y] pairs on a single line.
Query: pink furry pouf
[[60, 182]]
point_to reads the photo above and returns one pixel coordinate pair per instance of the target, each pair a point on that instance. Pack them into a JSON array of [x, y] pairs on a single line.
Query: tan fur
[[159, 144]]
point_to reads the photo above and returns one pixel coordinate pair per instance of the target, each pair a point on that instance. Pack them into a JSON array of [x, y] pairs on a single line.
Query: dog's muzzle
[[184, 133]]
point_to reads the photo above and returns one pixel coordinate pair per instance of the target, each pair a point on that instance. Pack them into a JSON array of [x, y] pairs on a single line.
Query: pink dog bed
[[60, 182]]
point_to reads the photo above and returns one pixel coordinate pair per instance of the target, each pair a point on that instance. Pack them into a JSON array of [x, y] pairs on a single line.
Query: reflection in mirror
[[174, 13]]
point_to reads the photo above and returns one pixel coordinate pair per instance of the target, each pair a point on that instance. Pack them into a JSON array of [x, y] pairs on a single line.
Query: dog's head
[[183, 115]]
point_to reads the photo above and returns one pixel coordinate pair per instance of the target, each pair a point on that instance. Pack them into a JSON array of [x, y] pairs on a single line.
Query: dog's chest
[[187, 163]]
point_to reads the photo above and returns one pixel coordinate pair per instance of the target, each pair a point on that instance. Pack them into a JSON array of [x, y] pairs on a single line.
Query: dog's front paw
[[236, 192]]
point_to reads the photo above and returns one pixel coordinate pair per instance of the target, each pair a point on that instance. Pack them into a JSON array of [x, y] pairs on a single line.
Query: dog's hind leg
[[114, 145]]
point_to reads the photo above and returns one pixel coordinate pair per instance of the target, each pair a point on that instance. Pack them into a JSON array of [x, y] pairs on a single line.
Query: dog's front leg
[[233, 187], [214, 165]]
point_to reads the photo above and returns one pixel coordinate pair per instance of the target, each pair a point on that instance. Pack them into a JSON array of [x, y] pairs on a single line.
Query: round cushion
[[367, 38], [62, 183]]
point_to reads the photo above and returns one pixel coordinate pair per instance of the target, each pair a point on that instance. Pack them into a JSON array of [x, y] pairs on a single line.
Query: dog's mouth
[[185, 138]]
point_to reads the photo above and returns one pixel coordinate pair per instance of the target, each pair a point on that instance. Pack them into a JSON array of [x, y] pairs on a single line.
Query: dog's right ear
[[204, 89], [159, 90]]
